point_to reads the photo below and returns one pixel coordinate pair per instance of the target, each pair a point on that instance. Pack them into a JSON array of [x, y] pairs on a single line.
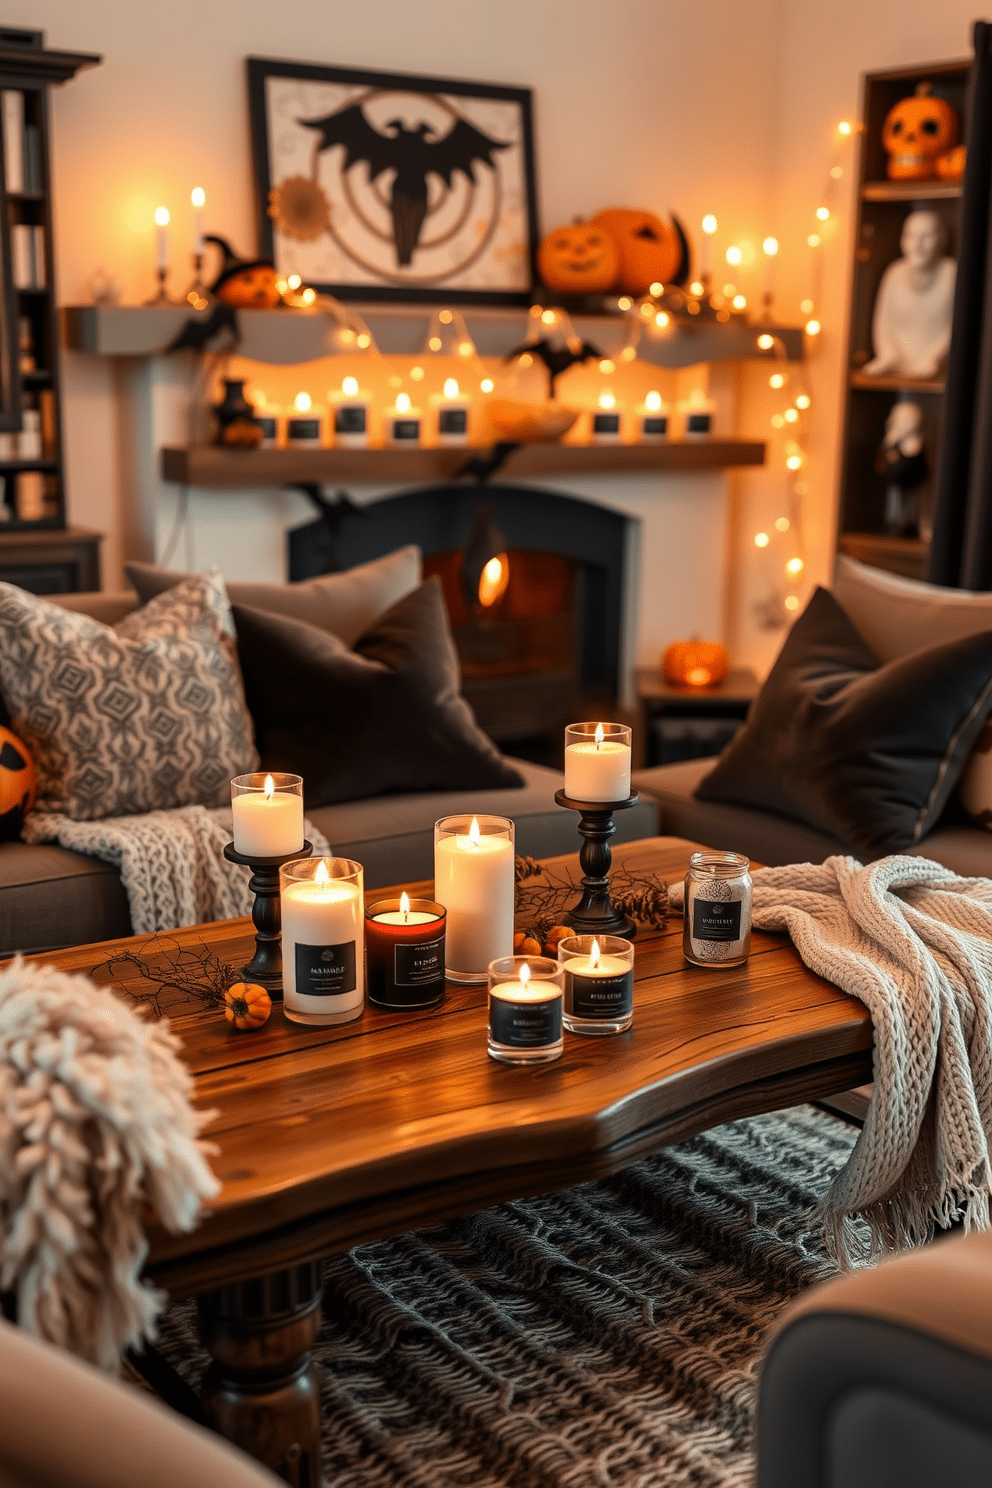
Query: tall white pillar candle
[[473, 879], [597, 761], [268, 815], [323, 940], [199, 199], [162, 233]]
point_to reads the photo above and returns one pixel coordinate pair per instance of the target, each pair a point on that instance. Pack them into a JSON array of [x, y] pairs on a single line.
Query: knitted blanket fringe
[[172, 863], [913, 942], [95, 1125]]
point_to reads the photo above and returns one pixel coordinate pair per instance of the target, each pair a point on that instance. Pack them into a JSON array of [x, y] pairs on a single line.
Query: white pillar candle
[[597, 768], [162, 226], [323, 948], [268, 823], [350, 405], [473, 879], [452, 414]]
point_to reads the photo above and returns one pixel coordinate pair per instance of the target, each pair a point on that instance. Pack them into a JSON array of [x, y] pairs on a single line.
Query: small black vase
[[236, 421]]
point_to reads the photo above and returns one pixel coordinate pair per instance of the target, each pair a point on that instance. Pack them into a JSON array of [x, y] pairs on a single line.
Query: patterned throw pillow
[[140, 716]]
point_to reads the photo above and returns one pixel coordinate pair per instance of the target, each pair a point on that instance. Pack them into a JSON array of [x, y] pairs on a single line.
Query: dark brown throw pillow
[[386, 716], [865, 752]]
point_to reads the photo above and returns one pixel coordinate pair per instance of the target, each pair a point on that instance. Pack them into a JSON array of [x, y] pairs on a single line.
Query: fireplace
[[550, 645]]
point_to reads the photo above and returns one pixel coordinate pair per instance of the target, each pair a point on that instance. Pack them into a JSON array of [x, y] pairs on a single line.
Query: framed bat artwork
[[381, 186]]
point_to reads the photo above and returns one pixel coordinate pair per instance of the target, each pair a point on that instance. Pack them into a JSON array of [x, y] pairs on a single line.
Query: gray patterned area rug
[[604, 1337]]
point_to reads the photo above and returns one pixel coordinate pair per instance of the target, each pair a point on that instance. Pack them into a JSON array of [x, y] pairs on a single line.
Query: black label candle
[[599, 983], [525, 1010], [404, 943]]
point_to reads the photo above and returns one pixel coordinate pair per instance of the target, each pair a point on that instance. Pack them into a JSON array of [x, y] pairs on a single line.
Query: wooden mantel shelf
[[208, 465]]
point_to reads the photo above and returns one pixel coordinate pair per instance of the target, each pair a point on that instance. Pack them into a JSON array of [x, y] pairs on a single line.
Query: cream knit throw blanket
[[95, 1124], [172, 863], [913, 941]]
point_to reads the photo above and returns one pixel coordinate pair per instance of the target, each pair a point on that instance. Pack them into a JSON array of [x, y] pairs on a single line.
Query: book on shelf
[[32, 158], [30, 499], [27, 248], [12, 117]]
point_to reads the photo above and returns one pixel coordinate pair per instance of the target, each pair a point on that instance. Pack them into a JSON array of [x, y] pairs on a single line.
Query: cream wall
[[707, 106]]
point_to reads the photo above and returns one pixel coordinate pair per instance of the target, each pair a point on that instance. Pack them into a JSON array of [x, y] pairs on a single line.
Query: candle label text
[[413, 965], [325, 971], [606, 423], [452, 421], [657, 424], [716, 919], [350, 419], [304, 428], [697, 423], [524, 1025], [406, 428], [601, 996]]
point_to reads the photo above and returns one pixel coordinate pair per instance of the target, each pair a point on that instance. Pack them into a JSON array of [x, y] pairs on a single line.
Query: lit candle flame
[[594, 955], [450, 387], [269, 787], [402, 402], [303, 402], [493, 580], [198, 196], [524, 974], [162, 216], [405, 906], [599, 734], [322, 876], [474, 835], [350, 387]]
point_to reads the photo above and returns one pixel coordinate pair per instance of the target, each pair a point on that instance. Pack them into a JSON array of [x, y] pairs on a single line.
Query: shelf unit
[[882, 208], [33, 498]]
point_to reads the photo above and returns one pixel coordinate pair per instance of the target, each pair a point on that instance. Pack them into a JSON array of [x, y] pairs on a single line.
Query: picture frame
[[386, 186]]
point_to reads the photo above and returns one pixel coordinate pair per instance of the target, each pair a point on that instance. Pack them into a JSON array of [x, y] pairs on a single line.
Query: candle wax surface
[[597, 772], [525, 991], [267, 826], [411, 917], [606, 966]]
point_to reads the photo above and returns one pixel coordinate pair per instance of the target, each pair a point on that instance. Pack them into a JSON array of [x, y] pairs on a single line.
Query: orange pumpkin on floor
[[695, 663], [247, 1005], [18, 785], [650, 251], [580, 259]]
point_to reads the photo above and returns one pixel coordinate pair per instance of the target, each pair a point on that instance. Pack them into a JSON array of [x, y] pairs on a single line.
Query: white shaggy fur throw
[[172, 863], [913, 941], [95, 1124]]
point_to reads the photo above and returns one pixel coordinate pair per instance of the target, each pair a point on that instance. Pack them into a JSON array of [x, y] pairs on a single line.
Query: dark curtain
[[961, 550]]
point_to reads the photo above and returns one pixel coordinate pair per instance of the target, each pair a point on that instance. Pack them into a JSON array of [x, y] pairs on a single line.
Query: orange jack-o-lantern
[[916, 131], [248, 284], [579, 259], [650, 252], [695, 663], [17, 784]]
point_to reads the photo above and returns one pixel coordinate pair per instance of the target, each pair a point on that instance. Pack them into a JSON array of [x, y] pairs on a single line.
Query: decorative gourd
[[916, 131], [650, 252], [695, 663], [579, 259], [247, 1005], [950, 166], [525, 945], [18, 784]]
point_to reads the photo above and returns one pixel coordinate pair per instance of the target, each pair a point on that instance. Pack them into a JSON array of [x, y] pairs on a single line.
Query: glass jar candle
[[404, 944], [717, 914], [597, 762], [267, 813], [599, 983], [525, 1009], [323, 941]]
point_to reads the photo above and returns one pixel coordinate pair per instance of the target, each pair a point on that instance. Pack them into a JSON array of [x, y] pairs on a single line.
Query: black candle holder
[[595, 913], [265, 967]]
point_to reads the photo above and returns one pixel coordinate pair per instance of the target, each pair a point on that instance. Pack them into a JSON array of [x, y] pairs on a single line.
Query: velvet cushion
[[386, 716], [865, 752], [344, 603], [141, 716]]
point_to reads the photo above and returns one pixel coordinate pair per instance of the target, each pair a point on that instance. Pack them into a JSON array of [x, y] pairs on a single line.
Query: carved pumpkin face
[[915, 132], [253, 288], [695, 663], [650, 251], [579, 259], [17, 784]]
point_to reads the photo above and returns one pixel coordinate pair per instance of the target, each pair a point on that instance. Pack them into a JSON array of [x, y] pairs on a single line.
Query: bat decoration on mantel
[[412, 154], [557, 357]]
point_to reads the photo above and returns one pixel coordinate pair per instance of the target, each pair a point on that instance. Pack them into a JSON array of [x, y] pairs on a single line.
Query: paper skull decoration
[[578, 259], [916, 132], [650, 251]]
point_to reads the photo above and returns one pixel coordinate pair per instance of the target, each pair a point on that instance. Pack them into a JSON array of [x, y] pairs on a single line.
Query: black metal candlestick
[[265, 967], [595, 913]]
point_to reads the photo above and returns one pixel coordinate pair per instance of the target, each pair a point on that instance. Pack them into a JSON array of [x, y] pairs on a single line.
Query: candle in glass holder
[[606, 420], [323, 944], [304, 425], [599, 983], [404, 941], [351, 415], [403, 422], [697, 415], [268, 814], [525, 1010], [452, 414], [653, 417], [597, 761], [473, 879]]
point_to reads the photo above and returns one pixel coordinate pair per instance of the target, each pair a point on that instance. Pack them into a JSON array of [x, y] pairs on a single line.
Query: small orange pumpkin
[[580, 259], [950, 167], [916, 131], [650, 252], [18, 784], [695, 663], [247, 1005]]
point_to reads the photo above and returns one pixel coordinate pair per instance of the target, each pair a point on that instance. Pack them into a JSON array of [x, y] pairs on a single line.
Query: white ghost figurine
[[911, 327]]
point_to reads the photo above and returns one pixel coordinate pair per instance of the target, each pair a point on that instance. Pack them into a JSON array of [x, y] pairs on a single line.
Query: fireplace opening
[[546, 647]]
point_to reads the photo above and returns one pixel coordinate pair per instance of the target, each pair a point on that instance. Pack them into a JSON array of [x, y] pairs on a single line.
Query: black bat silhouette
[[557, 359], [412, 154]]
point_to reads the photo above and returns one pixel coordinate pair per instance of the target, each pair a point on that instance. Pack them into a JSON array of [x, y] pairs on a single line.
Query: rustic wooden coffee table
[[333, 1136]]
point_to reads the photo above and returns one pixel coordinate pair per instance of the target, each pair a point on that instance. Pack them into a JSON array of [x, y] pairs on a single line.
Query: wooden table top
[[332, 1136]]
